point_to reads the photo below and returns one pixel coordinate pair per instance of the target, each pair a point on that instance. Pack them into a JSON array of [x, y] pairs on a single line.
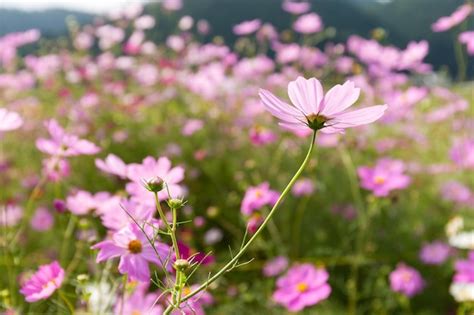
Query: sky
[[92, 6]]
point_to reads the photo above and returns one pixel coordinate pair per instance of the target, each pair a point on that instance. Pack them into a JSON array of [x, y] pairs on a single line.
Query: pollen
[[302, 287], [135, 247], [379, 180]]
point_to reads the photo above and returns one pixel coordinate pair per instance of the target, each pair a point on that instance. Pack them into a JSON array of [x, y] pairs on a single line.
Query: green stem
[[234, 260], [66, 301]]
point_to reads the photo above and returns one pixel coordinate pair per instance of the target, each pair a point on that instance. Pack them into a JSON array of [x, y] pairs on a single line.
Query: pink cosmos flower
[[247, 27], [465, 269], [150, 169], [172, 5], [260, 136], [140, 302], [447, 22], [457, 192], [64, 144], [195, 305], [385, 176], [303, 187], [9, 120], [42, 220], [308, 24], [83, 202], [191, 126], [134, 250], [296, 8], [302, 286], [43, 283], [117, 214], [258, 197], [275, 266], [467, 38], [112, 165], [314, 110], [406, 280], [462, 153], [435, 253], [10, 215]]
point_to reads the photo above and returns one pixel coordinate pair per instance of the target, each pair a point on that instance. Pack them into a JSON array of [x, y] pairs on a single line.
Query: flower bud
[[175, 203], [181, 265], [155, 184]]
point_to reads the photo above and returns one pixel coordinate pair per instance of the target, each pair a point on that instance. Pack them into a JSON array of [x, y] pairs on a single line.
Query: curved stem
[[234, 260]]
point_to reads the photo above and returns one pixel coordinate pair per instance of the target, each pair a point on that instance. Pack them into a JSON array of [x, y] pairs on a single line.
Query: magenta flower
[[247, 27], [43, 283], [134, 250], [195, 305], [457, 192], [9, 120], [435, 253], [467, 38], [314, 110], [303, 187], [275, 266], [465, 269], [385, 176], [308, 24], [258, 197], [64, 144], [302, 286], [42, 220], [260, 136], [406, 280]]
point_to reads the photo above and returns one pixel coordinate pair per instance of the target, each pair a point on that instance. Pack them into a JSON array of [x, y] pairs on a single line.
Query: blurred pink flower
[[447, 22], [42, 220], [172, 5], [9, 120], [385, 176], [247, 27], [258, 197], [275, 266], [43, 283], [134, 250], [303, 187], [83, 202], [314, 110], [467, 38], [462, 153], [140, 302], [455, 191], [196, 304], [406, 280], [192, 126], [308, 24], [10, 215], [63, 144], [302, 286], [465, 269], [112, 165], [295, 7], [435, 253], [260, 136]]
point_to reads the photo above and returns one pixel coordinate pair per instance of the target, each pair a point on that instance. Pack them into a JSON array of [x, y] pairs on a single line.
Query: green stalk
[[234, 260]]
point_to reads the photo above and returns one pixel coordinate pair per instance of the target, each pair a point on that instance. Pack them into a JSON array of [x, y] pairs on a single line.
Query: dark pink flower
[[43, 283], [302, 286]]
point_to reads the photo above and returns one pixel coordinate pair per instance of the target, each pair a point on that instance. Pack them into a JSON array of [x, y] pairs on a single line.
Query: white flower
[[463, 240], [454, 225], [462, 292]]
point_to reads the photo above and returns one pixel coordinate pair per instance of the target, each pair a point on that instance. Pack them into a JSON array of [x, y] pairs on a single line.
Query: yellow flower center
[[135, 247], [379, 180], [135, 312], [302, 287], [186, 291], [258, 193]]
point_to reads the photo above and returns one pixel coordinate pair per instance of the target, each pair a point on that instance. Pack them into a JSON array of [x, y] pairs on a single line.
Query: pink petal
[[306, 95], [339, 98], [280, 109], [358, 117]]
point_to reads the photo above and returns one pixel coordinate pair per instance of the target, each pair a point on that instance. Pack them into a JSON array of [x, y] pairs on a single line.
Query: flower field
[[282, 174]]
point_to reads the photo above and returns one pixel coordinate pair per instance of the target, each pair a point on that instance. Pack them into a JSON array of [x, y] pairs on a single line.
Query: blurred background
[[396, 21]]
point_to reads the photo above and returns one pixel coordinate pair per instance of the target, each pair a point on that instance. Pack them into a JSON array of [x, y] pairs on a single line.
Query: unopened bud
[[155, 184], [175, 203], [181, 265]]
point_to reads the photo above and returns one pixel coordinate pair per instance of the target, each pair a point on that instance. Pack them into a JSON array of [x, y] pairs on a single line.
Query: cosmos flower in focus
[[43, 283], [314, 110], [9, 120], [134, 250], [406, 280], [302, 286], [385, 176]]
